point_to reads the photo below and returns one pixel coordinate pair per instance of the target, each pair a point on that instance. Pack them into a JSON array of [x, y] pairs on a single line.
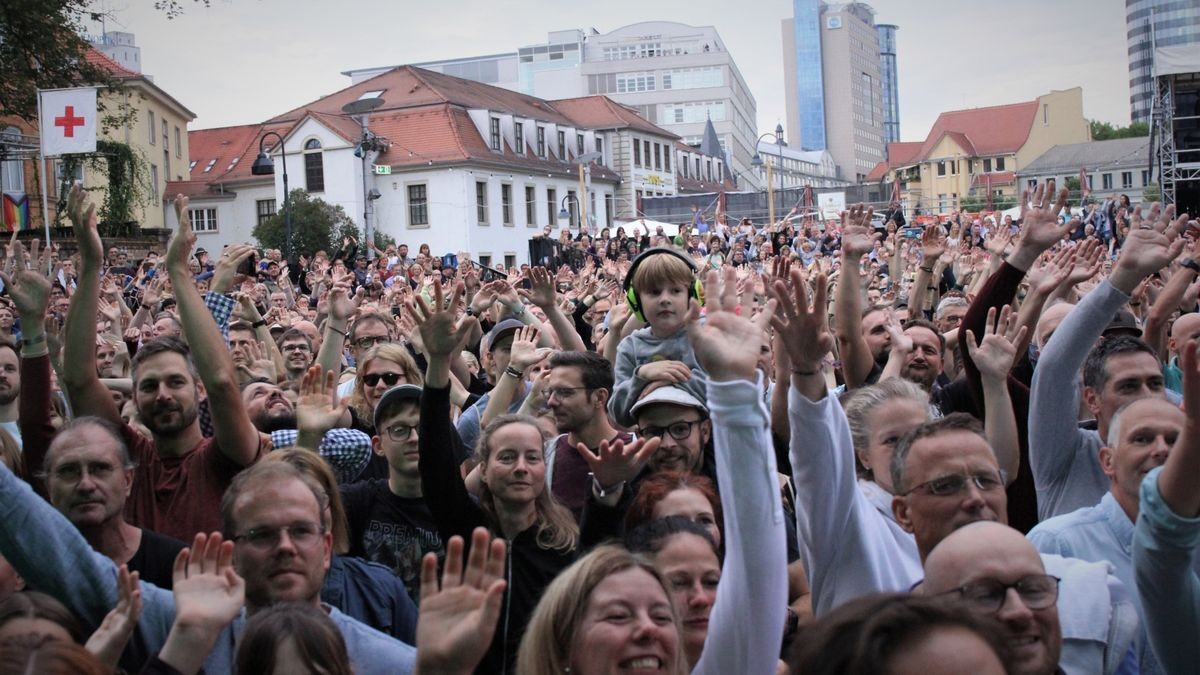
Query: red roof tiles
[[221, 146], [601, 112], [96, 58]]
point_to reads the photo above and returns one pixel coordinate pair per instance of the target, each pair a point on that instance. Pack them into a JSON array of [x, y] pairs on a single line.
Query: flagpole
[[42, 176]]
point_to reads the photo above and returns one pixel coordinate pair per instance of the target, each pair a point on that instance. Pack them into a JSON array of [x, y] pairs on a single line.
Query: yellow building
[[978, 151], [156, 131]]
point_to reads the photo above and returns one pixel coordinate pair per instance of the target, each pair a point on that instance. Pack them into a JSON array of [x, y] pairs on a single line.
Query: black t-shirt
[[393, 531], [155, 558]]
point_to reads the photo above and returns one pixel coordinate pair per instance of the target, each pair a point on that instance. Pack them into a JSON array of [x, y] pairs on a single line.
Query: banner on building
[[16, 212], [67, 121]]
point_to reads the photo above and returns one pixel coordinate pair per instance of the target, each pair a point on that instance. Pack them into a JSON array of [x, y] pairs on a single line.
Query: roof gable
[[993, 130], [601, 112]]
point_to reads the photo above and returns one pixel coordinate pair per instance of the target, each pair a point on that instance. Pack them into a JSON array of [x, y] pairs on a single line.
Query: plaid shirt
[[346, 450], [221, 306]]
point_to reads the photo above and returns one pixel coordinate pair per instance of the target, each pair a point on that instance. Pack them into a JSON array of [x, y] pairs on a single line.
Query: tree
[[1103, 131], [1152, 193], [316, 226], [41, 48]]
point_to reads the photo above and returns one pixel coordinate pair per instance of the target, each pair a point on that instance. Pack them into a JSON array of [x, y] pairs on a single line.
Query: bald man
[[1140, 437], [1185, 329]]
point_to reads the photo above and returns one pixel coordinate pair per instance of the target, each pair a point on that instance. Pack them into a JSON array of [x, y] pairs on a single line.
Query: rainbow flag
[[16, 212]]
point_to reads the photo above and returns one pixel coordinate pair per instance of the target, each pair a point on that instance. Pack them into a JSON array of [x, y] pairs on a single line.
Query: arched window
[[314, 167], [12, 171]]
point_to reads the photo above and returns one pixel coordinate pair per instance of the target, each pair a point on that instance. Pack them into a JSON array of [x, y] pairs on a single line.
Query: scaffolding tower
[[1175, 131]]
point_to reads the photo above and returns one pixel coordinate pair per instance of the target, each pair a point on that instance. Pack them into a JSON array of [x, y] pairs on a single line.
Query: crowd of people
[[961, 444]]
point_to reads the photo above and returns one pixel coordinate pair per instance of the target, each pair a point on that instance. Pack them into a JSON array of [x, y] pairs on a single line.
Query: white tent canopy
[[647, 226], [1176, 59]]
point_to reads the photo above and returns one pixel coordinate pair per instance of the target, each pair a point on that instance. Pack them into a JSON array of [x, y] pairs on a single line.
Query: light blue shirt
[[1164, 565]]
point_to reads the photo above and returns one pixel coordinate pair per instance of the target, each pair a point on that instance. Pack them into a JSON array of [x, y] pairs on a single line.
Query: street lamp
[[263, 166], [757, 161], [564, 214]]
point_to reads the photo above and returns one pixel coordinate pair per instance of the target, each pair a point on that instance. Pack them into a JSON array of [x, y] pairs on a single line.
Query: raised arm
[[933, 244], [1155, 331], [29, 289], [236, 436], [87, 394], [543, 294], [994, 358], [857, 361], [524, 354], [746, 624]]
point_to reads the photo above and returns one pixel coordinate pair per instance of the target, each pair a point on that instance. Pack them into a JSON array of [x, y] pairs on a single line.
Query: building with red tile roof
[[968, 150]]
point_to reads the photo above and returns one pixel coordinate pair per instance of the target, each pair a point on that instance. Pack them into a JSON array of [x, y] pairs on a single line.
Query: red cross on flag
[[68, 121]]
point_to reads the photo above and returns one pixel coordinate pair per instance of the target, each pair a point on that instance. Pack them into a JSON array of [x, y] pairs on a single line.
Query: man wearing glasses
[[389, 522], [681, 421], [368, 330], [946, 478]]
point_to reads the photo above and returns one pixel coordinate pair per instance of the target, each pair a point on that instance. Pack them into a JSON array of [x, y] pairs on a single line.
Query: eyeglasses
[[400, 432], [678, 430], [295, 348], [1037, 591], [948, 486], [368, 341], [563, 392], [73, 473], [390, 379], [267, 538]]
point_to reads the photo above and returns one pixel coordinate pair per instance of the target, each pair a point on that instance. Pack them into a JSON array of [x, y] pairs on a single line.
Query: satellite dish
[[362, 106]]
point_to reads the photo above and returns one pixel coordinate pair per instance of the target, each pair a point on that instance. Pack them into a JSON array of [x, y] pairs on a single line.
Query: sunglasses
[[390, 379]]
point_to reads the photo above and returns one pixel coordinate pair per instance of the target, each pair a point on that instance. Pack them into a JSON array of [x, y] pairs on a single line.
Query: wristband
[[33, 341], [146, 307], [470, 311], [602, 491], [518, 374], [260, 323], [927, 269], [805, 373], [344, 334], [1191, 264]]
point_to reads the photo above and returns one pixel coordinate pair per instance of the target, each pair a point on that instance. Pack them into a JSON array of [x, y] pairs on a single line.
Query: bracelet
[[805, 373], [344, 334], [146, 307], [33, 341], [517, 374], [927, 269], [469, 311], [260, 323]]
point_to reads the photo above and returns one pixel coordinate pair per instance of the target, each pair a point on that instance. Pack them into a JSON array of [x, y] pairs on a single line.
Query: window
[[510, 260], [697, 176], [692, 78], [1046, 114], [1106, 181], [153, 127], [314, 166], [562, 144], [666, 159], [178, 143], [682, 113], [600, 146], [637, 153], [609, 207], [203, 220], [941, 168], [12, 171], [987, 165], [191, 165], [1126, 179], [578, 144], [519, 134], [265, 209], [541, 142], [646, 153], [708, 168], [418, 206], [1032, 183], [209, 167], [657, 157], [166, 139], [530, 206], [495, 133], [551, 206], [154, 181], [506, 204], [628, 83], [485, 259], [999, 163], [1145, 177], [481, 202]]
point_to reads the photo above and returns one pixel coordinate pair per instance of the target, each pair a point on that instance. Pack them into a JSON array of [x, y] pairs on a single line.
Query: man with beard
[[577, 394], [916, 354], [180, 474], [346, 450], [88, 479], [10, 390]]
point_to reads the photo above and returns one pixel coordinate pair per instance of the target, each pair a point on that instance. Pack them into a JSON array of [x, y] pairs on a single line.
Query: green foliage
[[174, 8], [1103, 131], [127, 186], [316, 226], [974, 202], [1152, 193], [41, 48]]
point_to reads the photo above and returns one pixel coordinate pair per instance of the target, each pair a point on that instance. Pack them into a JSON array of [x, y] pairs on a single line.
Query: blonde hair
[[556, 526], [660, 269], [398, 354], [546, 645]]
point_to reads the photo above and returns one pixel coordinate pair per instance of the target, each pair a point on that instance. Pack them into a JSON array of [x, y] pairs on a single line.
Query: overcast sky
[[243, 61]]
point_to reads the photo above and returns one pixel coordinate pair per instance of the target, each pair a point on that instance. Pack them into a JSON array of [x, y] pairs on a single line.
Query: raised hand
[[86, 229], [342, 305], [317, 408], [28, 287], [995, 354], [933, 243], [803, 327], [1087, 260], [1040, 228], [442, 337], [180, 248], [110, 638], [616, 462], [459, 618], [856, 231], [1049, 275], [541, 291], [525, 352], [1149, 247], [901, 343], [227, 264], [723, 342]]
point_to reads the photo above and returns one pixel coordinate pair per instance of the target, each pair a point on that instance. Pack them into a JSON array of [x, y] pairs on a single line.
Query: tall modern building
[[676, 76], [835, 76], [1150, 24], [891, 90]]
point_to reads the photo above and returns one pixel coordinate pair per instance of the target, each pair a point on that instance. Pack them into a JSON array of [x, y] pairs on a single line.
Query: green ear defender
[[631, 296]]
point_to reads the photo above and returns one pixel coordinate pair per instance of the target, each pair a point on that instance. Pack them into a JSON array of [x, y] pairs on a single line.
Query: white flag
[[68, 121]]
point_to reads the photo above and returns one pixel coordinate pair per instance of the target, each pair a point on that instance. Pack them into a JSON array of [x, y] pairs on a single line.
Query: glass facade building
[[1149, 24], [891, 95], [810, 86]]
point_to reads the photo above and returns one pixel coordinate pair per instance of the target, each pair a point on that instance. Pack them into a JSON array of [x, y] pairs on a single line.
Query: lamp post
[[564, 214], [263, 166], [757, 161]]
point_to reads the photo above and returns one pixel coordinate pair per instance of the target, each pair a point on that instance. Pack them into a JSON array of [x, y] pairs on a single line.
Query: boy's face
[[665, 307]]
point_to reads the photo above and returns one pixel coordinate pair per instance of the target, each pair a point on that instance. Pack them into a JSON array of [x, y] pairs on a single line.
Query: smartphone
[[150, 273], [912, 233], [250, 266]]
